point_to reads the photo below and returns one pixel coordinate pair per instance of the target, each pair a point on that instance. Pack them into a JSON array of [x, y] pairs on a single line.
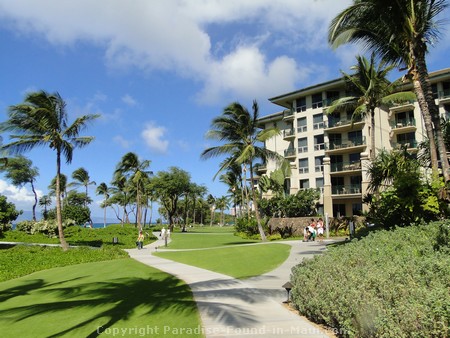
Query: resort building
[[331, 152]]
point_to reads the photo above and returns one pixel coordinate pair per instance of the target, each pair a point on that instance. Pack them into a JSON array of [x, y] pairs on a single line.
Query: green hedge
[[389, 284]]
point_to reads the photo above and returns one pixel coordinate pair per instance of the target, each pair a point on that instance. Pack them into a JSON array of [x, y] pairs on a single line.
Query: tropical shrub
[[8, 214], [46, 227], [302, 204], [392, 283], [247, 228]]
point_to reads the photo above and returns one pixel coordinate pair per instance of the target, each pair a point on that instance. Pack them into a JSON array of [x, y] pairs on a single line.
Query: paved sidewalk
[[234, 308]]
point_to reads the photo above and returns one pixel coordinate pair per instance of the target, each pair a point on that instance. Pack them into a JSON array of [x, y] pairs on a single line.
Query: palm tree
[[233, 179], [81, 177], [221, 204], [239, 128], [136, 171], [370, 88], [20, 171], [45, 201], [103, 189], [211, 201], [399, 32], [42, 120]]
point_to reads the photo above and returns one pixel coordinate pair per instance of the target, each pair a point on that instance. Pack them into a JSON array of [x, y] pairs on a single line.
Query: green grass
[[211, 229], [238, 261], [80, 300], [205, 240], [22, 260]]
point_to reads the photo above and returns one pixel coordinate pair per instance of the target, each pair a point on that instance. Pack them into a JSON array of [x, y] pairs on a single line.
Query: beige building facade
[[330, 153]]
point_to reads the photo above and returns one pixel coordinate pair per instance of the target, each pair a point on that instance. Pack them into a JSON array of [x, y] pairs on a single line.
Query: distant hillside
[[28, 216]]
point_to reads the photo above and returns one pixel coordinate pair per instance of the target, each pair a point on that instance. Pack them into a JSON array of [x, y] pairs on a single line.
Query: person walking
[[140, 240]]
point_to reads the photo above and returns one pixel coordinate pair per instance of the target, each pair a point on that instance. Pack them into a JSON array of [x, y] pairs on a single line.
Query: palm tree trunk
[[372, 133], [255, 203], [35, 201], [435, 118], [62, 240]]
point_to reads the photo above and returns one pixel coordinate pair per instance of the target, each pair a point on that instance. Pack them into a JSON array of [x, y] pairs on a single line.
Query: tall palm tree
[[103, 189], [222, 203], [137, 172], [239, 129], [233, 179], [400, 32], [62, 187], [82, 178], [42, 120], [369, 88], [45, 201]]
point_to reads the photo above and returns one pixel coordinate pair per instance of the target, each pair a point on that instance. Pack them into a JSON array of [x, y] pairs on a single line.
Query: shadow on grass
[[118, 299]]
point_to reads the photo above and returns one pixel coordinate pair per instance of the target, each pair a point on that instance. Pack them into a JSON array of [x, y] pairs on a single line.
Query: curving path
[[233, 308]]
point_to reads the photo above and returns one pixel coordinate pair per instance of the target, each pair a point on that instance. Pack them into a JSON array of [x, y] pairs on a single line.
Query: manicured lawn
[[120, 296], [242, 261], [205, 240]]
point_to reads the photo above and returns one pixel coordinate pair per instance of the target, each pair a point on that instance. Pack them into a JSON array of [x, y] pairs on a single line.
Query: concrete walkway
[[233, 308]]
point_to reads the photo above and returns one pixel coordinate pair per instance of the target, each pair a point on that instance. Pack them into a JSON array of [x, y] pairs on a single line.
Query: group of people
[[313, 230]]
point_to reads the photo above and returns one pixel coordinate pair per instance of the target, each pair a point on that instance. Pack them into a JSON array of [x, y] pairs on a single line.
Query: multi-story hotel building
[[330, 152]]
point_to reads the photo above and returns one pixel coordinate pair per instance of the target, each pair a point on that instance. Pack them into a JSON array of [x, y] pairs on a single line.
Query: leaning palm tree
[[82, 178], [42, 120], [103, 189], [239, 129], [369, 88], [137, 172], [400, 32]]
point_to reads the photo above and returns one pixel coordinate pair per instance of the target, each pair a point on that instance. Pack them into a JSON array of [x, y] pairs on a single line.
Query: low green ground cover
[[115, 298], [388, 284], [242, 261], [22, 260]]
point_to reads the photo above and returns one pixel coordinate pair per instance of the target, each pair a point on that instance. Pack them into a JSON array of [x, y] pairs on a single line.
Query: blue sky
[[159, 71]]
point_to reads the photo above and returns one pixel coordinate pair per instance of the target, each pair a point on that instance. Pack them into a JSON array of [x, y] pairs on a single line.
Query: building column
[[327, 199], [365, 180]]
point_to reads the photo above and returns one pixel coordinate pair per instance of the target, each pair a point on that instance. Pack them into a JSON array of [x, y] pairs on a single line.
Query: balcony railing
[[354, 142], [290, 152], [288, 113], [332, 123], [319, 146], [288, 133], [346, 189], [408, 143], [445, 94], [400, 123], [345, 166]]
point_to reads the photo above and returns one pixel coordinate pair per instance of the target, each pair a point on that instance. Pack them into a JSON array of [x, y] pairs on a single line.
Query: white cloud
[[124, 143], [22, 198], [175, 36], [129, 100], [153, 136]]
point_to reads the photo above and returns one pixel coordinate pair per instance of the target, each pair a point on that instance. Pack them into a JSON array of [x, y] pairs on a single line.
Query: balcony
[[444, 96], [409, 144], [288, 114], [345, 166], [404, 106], [407, 125], [292, 152], [344, 146], [288, 134], [343, 125], [351, 189]]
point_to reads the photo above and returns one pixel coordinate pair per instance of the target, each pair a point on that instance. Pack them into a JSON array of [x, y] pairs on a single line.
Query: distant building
[[329, 152]]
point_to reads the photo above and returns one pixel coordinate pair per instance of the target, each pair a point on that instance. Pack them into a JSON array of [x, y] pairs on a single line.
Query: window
[[331, 96], [301, 125], [357, 209], [355, 157], [338, 210], [319, 182], [301, 104], [405, 118], [434, 90], [446, 87], [303, 145], [319, 142], [304, 184], [318, 163], [336, 163], [318, 121], [303, 167], [335, 141], [447, 111], [355, 137], [408, 139], [317, 100]]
